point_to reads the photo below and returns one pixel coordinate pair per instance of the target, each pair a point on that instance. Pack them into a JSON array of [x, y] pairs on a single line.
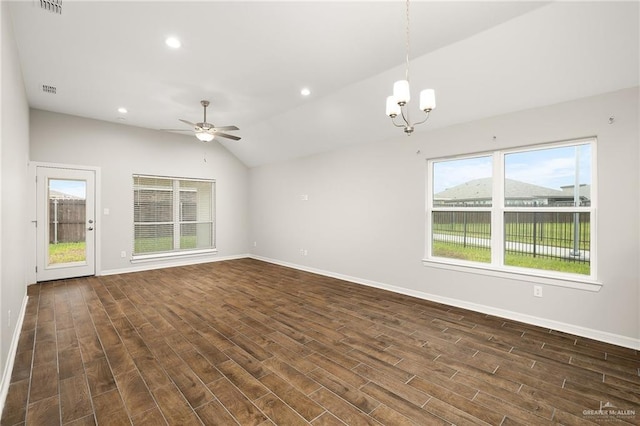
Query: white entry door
[[65, 242]]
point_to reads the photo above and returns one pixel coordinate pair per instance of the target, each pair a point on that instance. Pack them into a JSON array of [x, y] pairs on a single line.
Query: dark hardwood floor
[[253, 343]]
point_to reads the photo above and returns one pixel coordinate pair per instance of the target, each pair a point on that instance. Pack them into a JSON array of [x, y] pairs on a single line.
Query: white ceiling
[[250, 59]]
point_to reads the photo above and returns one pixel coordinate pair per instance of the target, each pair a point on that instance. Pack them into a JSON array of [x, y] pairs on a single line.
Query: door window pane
[[67, 216]]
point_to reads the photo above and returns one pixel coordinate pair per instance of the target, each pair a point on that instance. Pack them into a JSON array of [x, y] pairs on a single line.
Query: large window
[[172, 216], [528, 210]]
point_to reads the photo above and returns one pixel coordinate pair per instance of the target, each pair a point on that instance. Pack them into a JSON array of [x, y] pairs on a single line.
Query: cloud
[[550, 172], [69, 187], [452, 173], [551, 168]]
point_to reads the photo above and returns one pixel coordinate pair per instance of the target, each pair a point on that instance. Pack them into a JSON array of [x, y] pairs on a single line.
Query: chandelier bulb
[[427, 100], [401, 92], [393, 109]]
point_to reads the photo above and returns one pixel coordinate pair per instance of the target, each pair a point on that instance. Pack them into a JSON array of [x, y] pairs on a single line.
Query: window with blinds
[[172, 215]]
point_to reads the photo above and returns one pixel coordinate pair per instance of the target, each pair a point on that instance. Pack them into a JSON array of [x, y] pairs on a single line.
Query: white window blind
[[172, 215]]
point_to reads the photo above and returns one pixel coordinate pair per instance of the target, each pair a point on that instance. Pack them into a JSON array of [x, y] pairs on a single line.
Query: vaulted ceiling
[[251, 59]]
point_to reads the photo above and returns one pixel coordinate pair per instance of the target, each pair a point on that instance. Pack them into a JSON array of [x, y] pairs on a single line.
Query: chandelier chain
[[407, 44]]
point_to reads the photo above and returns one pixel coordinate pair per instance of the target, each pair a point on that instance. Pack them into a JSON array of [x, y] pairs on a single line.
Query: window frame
[[496, 267], [176, 221]]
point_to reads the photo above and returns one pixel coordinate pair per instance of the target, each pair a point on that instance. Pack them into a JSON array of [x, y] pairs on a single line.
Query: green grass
[[454, 251], [153, 245], [558, 265], [483, 255], [67, 252]]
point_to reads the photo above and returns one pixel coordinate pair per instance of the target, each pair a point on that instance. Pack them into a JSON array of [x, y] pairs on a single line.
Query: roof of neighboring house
[[481, 189], [53, 194], [585, 190]]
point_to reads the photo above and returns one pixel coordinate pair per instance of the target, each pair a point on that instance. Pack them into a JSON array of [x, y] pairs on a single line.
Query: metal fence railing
[[464, 228], [554, 235]]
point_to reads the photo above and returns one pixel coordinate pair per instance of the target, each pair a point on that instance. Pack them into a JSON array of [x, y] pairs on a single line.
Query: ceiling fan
[[206, 131]]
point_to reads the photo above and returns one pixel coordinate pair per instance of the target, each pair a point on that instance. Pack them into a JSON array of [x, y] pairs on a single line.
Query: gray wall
[[121, 151], [14, 150], [365, 219]]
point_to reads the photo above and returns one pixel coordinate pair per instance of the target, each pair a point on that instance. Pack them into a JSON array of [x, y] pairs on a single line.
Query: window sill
[[578, 282], [173, 255]]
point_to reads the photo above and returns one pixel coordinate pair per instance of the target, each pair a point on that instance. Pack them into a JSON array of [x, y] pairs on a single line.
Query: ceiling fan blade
[[176, 130], [188, 123], [228, 136], [226, 128]]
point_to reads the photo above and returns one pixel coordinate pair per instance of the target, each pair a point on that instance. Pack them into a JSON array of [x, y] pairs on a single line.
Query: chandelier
[[397, 103]]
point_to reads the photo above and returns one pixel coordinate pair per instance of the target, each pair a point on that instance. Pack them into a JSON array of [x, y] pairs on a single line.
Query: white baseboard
[[11, 356], [603, 336], [171, 264]]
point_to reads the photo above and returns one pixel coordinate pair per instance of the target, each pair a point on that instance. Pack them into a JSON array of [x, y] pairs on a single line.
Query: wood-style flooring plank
[[15, 406], [75, 400]]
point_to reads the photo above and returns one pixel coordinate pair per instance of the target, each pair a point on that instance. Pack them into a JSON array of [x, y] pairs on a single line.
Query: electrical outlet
[[537, 291], [303, 252], [123, 254], [255, 244], [304, 197]]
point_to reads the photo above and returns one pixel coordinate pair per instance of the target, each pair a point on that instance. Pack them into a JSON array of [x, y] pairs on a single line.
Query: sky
[[76, 188], [551, 168]]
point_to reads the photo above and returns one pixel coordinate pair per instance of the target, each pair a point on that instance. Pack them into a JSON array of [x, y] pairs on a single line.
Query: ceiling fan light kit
[[204, 136], [397, 103]]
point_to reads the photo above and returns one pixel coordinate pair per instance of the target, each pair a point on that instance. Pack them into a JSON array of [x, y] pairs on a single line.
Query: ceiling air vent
[[54, 6], [49, 89]]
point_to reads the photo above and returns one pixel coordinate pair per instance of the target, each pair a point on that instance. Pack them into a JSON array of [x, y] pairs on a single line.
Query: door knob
[[90, 228], [90, 220]]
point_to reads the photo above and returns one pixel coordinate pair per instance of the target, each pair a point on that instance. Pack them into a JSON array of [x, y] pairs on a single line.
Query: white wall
[[14, 150], [120, 151], [364, 217]]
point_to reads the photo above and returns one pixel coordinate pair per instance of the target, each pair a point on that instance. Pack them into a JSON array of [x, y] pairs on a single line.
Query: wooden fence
[[66, 221]]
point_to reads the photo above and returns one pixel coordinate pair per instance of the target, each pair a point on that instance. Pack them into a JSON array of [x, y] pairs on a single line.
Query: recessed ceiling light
[[122, 110], [173, 42], [305, 91]]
